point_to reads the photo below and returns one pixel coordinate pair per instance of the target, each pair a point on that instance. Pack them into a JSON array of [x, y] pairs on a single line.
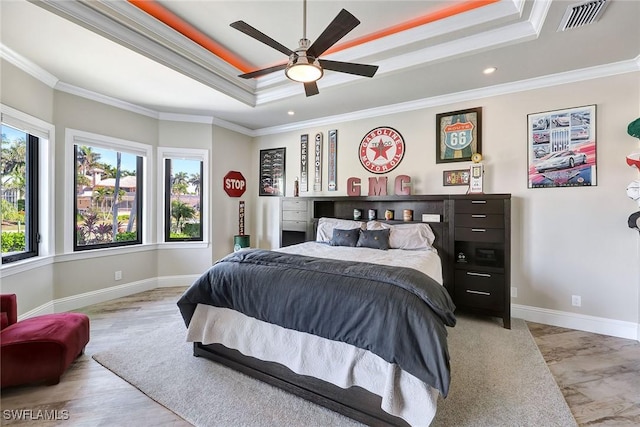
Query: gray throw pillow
[[345, 237], [376, 239]]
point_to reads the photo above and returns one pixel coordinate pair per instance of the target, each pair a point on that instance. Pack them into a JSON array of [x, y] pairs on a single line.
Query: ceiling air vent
[[582, 14]]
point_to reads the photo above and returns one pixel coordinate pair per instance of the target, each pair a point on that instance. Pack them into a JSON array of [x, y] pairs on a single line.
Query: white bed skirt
[[338, 363]]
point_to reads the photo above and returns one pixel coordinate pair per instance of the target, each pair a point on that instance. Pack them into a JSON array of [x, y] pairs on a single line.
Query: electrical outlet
[[576, 301], [118, 275], [514, 292]]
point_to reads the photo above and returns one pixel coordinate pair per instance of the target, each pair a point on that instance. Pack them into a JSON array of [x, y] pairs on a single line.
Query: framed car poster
[[272, 172], [562, 148]]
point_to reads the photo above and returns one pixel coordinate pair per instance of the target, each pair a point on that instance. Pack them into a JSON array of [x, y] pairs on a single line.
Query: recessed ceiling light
[[490, 70], [291, 112]]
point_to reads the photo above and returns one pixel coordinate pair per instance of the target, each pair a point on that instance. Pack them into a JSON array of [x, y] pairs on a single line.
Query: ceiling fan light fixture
[[301, 69]]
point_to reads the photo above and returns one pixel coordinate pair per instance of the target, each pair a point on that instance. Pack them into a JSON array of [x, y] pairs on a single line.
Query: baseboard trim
[[95, 297], [102, 295], [581, 322], [46, 308], [172, 281]]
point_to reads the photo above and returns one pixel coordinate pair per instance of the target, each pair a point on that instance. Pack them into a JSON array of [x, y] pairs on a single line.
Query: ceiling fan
[[304, 64]]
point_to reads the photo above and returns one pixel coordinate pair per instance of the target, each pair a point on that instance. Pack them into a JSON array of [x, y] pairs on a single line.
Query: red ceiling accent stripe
[[416, 22], [183, 27], [169, 18]]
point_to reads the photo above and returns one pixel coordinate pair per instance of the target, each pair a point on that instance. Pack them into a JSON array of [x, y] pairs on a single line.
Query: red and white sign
[[234, 184], [381, 150]]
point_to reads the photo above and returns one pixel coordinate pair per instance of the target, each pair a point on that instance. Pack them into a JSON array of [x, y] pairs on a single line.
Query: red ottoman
[[40, 349]]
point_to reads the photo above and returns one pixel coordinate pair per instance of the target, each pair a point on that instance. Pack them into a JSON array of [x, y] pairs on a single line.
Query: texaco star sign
[[381, 150]]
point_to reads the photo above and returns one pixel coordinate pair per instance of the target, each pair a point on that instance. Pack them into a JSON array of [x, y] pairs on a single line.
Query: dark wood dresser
[[482, 254]]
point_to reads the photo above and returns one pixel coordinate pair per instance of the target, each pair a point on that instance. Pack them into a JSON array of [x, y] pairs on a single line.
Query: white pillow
[[406, 236], [326, 226]]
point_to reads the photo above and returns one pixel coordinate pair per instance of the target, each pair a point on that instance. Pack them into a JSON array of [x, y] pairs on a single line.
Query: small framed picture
[[458, 135], [455, 177], [272, 173]]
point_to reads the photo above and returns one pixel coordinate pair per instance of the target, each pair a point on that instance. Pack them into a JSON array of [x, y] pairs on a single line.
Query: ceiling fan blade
[[311, 89], [337, 29], [349, 67], [263, 71], [261, 37]]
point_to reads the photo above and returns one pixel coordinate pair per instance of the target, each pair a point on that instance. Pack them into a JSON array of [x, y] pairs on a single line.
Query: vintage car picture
[[562, 148], [272, 172]]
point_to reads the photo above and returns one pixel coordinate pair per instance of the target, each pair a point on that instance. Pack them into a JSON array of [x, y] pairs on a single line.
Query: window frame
[[167, 206], [140, 219], [197, 154], [31, 235], [74, 137], [45, 201]]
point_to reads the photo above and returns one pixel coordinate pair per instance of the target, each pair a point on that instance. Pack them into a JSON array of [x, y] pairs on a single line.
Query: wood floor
[[598, 375]]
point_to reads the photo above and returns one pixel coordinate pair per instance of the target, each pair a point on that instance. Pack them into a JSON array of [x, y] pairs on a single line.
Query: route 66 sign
[[458, 135]]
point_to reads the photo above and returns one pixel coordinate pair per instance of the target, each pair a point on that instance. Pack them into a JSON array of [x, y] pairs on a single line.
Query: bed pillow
[[376, 239], [326, 226], [345, 237], [406, 236]]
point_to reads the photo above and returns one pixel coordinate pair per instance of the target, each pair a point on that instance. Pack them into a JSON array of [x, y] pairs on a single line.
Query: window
[[19, 194], [107, 180], [183, 200], [184, 197]]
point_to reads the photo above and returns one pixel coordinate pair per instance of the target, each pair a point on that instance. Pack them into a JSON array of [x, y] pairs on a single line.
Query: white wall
[[565, 241]]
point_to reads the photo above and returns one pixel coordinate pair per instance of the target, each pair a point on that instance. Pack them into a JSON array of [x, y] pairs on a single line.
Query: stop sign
[[234, 184]]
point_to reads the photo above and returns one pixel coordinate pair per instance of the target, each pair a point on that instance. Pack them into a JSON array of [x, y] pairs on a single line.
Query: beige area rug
[[499, 378]]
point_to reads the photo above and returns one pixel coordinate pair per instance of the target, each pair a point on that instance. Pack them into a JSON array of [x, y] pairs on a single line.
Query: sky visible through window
[[12, 134], [191, 167]]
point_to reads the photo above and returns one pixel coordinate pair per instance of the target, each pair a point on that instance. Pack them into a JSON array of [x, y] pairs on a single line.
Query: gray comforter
[[396, 313]]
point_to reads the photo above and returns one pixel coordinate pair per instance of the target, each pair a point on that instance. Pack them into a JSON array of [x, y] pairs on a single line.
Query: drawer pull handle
[[471, 273], [478, 216], [478, 230], [480, 202], [479, 293]]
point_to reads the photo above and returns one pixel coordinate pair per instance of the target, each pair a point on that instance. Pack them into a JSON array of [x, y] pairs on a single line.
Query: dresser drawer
[[479, 205], [479, 234], [479, 289], [294, 226], [294, 216], [294, 205], [479, 220]]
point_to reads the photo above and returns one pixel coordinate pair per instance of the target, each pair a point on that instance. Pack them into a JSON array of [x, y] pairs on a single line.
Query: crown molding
[[208, 120], [104, 99], [27, 66], [590, 73], [189, 118]]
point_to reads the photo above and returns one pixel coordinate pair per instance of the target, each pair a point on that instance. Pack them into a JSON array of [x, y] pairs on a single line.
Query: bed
[[354, 321]]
